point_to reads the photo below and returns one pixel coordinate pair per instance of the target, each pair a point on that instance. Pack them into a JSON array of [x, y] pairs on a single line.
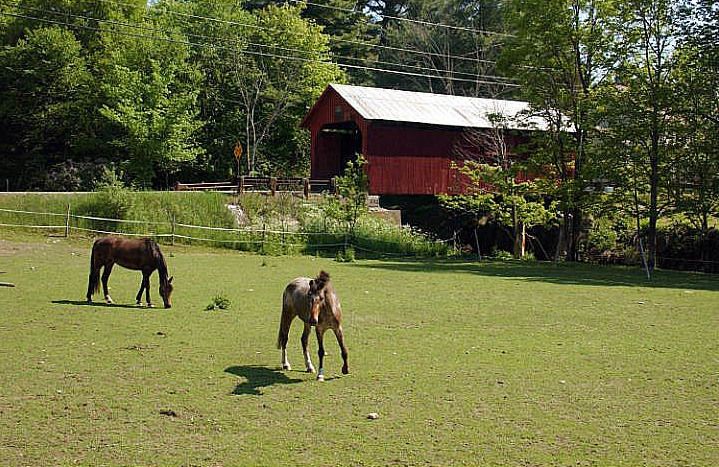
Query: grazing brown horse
[[137, 254], [314, 301]]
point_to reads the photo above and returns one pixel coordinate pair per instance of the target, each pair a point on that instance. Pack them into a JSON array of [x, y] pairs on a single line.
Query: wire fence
[[274, 241], [265, 239]]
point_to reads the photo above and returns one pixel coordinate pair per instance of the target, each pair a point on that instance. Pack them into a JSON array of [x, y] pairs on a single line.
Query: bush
[[602, 237], [502, 255], [219, 302], [346, 256]]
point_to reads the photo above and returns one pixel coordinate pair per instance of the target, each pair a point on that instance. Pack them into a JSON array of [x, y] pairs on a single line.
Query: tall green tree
[[84, 17], [352, 35], [497, 183], [650, 32], [225, 38], [352, 32], [44, 87], [694, 181], [563, 51], [151, 91], [275, 86], [456, 42]]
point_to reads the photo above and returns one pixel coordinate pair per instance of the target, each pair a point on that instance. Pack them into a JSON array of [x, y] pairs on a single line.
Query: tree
[[461, 59], [497, 181], [151, 91], [44, 86], [350, 201], [274, 84], [694, 184], [563, 51], [226, 38], [650, 32], [352, 35]]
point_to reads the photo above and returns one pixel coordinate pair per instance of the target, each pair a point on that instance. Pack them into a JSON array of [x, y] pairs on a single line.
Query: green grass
[[467, 364], [284, 224]]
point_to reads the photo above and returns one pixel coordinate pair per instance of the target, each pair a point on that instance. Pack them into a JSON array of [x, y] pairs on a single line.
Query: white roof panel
[[436, 109]]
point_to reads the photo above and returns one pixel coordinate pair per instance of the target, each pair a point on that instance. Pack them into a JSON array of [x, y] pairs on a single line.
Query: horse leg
[[283, 336], [341, 341], [305, 339], [146, 278], [105, 276], [320, 352], [138, 298]]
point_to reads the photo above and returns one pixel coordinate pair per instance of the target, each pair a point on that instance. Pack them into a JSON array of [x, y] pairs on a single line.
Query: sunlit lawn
[[465, 363]]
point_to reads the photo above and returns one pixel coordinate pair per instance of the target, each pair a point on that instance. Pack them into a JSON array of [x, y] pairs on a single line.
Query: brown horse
[[315, 302], [138, 254]]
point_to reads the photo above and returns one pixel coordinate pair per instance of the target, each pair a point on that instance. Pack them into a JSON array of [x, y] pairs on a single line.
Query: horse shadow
[[258, 377], [85, 303]]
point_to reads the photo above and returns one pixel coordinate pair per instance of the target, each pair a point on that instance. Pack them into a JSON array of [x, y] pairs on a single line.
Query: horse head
[[166, 291], [317, 296]]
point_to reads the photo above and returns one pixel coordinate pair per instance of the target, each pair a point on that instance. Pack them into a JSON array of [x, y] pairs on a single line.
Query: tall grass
[[277, 225]]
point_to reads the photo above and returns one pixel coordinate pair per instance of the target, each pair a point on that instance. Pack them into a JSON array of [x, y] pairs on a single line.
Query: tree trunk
[[575, 231], [654, 195], [561, 251], [520, 240]]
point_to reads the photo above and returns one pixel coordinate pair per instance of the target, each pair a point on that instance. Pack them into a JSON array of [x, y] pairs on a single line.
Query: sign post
[[238, 156]]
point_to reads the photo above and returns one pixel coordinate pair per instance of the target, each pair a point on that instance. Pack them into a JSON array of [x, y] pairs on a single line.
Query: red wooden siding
[[397, 140], [408, 175]]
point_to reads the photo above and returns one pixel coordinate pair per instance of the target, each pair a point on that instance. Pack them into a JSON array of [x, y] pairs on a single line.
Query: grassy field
[[467, 364]]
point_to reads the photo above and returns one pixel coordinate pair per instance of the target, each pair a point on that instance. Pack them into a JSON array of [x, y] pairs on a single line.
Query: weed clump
[[219, 302]]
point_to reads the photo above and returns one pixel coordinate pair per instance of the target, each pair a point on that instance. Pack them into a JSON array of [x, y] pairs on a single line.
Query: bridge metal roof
[[437, 109]]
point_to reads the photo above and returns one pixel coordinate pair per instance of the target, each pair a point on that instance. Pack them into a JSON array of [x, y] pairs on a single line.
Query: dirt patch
[[11, 248]]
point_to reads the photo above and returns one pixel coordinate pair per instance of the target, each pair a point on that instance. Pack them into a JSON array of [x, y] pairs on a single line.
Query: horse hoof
[[345, 370], [108, 300], [287, 367], [150, 305], [310, 369], [320, 377]]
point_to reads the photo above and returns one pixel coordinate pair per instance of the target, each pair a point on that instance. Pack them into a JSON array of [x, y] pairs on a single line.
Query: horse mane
[[322, 280], [157, 254]]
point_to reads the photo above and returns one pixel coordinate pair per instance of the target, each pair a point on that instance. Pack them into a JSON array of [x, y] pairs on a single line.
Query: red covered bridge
[[408, 138]]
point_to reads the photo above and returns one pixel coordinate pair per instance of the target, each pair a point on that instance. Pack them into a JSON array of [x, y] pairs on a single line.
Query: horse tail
[[285, 321], [94, 280], [279, 339]]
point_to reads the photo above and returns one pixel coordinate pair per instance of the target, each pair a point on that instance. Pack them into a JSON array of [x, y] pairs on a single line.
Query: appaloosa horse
[[138, 254], [314, 301]]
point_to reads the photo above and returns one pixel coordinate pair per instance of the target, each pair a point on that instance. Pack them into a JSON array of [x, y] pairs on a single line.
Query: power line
[[249, 52], [411, 20], [346, 41], [286, 49]]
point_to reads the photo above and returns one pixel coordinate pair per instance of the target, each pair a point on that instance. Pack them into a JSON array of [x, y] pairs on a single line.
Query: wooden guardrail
[[269, 185]]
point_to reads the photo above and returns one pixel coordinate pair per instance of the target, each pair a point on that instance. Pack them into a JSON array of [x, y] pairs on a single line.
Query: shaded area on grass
[[556, 273], [85, 303], [258, 377]]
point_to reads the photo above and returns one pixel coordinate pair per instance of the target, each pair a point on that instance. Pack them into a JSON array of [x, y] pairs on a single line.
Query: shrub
[[602, 237], [219, 302], [346, 256]]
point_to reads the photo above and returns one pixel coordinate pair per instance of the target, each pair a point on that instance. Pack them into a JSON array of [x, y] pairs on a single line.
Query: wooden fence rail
[[270, 185]]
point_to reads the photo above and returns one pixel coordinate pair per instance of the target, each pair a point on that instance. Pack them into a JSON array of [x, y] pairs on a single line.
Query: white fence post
[[67, 221]]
